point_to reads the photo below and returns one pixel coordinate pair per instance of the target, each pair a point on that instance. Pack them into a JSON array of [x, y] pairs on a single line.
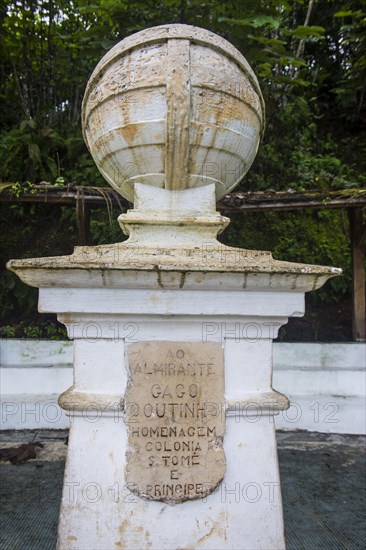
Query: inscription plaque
[[175, 416]]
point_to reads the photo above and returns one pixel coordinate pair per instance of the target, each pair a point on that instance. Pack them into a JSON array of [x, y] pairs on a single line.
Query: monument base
[[100, 509], [167, 454]]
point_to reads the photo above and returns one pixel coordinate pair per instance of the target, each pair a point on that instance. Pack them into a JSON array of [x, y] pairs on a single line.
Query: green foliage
[[43, 330], [310, 58], [312, 71], [8, 332], [18, 189], [15, 296], [297, 153], [313, 237], [104, 230], [55, 332], [32, 332]]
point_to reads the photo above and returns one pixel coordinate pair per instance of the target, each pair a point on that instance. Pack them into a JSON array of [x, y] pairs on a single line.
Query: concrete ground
[[322, 475]]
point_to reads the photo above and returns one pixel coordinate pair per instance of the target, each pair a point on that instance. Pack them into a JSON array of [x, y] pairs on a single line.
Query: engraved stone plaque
[[176, 419]]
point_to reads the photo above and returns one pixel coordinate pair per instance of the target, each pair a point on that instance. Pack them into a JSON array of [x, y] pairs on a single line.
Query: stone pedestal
[[98, 508], [181, 300], [172, 442]]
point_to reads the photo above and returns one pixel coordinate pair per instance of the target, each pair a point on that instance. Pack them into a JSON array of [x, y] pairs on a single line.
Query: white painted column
[[99, 511], [169, 278]]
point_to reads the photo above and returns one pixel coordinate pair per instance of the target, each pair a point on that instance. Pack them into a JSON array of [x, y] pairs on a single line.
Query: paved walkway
[[323, 484]]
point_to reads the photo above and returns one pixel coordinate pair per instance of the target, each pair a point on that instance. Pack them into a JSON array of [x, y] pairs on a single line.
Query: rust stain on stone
[[123, 526], [148, 541], [218, 529], [129, 133], [201, 78], [205, 537]]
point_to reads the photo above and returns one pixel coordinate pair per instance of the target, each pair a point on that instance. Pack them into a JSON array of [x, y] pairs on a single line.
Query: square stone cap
[[210, 266]]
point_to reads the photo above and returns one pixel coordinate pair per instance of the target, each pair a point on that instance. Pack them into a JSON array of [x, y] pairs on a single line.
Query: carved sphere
[[173, 106]]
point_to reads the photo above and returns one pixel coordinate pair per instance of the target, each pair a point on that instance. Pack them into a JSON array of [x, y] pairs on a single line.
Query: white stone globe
[[175, 107]]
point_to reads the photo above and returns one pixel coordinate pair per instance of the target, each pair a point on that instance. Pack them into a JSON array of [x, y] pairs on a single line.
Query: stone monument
[[172, 441]]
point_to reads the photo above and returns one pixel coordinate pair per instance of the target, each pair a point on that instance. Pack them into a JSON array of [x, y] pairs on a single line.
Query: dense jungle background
[[310, 58]]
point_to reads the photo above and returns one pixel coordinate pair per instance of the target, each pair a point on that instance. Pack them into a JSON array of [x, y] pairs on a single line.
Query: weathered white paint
[[175, 107], [97, 424], [170, 302], [204, 125], [35, 353], [326, 385], [32, 374], [313, 375], [171, 249], [215, 522]]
